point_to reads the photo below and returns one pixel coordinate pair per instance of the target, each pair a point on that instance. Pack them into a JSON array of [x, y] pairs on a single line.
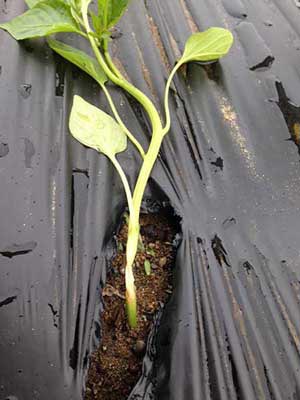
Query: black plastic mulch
[[229, 167]]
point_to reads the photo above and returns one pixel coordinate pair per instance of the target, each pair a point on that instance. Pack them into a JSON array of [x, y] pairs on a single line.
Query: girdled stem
[[133, 231], [149, 160]]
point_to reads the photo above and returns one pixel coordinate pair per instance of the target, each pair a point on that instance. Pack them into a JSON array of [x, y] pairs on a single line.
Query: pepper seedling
[[93, 127]]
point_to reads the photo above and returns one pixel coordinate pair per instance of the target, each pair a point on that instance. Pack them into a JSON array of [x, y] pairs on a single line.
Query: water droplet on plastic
[[25, 90], [4, 149]]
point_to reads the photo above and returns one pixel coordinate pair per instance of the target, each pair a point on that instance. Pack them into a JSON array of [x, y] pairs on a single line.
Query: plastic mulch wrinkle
[[229, 167]]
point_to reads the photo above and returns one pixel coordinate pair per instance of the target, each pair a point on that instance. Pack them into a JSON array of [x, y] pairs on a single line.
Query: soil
[[116, 366]]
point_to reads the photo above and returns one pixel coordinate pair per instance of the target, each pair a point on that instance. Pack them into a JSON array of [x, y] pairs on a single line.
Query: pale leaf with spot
[[209, 45], [96, 129]]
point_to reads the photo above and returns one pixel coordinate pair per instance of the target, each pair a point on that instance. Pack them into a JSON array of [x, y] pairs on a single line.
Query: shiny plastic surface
[[229, 167]]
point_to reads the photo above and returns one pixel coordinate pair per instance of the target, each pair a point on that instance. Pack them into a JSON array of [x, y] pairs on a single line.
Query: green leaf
[[120, 247], [209, 45], [96, 22], [76, 4], [80, 59], [32, 3], [43, 19], [147, 267], [96, 129], [110, 11]]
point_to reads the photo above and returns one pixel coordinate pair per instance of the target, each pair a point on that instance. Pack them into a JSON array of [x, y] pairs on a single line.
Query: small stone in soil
[[139, 347], [163, 262]]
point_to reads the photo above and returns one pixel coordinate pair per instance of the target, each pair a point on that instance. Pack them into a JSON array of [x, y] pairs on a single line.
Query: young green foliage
[[45, 18], [32, 3], [91, 126], [110, 11], [209, 45], [147, 267]]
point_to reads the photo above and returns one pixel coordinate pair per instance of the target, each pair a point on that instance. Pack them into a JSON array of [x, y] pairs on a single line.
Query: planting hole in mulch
[[117, 365]]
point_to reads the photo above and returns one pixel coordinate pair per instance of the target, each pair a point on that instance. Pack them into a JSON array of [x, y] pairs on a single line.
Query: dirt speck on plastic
[[4, 149]]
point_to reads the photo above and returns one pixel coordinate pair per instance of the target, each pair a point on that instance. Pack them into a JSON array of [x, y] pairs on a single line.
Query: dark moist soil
[[116, 366]]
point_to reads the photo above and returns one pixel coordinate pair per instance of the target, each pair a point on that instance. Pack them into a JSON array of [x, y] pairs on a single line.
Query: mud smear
[[59, 77], [291, 114], [229, 222], [257, 52], [235, 8], [25, 90], [219, 251], [213, 71], [55, 315], [73, 355], [18, 249], [4, 149], [265, 64], [248, 267], [219, 163], [7, 301]]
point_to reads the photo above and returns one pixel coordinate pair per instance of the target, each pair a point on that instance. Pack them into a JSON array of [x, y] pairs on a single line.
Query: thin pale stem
[[105, 13], [121, 123], [110, 63], [125, 184], [82, 34], [166, 99]]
